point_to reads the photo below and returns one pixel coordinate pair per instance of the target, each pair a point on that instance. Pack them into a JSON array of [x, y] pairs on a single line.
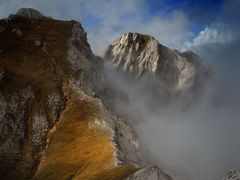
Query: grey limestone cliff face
[[142, 55], [89, 74]]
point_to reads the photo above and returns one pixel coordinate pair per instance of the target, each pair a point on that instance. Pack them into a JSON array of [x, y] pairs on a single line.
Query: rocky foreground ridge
[[55, 117]]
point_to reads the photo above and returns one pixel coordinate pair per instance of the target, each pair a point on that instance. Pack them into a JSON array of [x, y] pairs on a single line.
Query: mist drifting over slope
[[199, 140]]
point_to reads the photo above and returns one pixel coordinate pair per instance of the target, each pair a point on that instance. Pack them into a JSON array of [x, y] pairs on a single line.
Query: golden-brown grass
[[78, 151]]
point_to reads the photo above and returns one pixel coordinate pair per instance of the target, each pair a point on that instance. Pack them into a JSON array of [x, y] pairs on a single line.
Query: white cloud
[[171, 31], [210, 36]]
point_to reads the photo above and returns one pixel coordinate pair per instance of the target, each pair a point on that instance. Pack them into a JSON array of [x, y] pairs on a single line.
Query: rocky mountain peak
[[141, 55], [135, 39], [131, 53], [29, 13]]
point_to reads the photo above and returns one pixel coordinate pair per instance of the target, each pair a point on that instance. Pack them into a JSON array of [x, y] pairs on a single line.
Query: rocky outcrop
[[149, 173], [29, 13], [232, 175], [89, 76], [142, 55]]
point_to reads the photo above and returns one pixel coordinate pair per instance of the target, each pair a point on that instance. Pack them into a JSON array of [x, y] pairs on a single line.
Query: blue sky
[[186, 5], [200, 11]]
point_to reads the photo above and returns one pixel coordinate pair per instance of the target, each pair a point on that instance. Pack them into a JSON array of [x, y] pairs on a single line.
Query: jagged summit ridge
[[139, 54], [130, 46]]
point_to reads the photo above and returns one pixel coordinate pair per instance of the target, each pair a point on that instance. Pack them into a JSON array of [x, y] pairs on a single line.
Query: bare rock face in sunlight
[[142, 55], [55, 120]]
